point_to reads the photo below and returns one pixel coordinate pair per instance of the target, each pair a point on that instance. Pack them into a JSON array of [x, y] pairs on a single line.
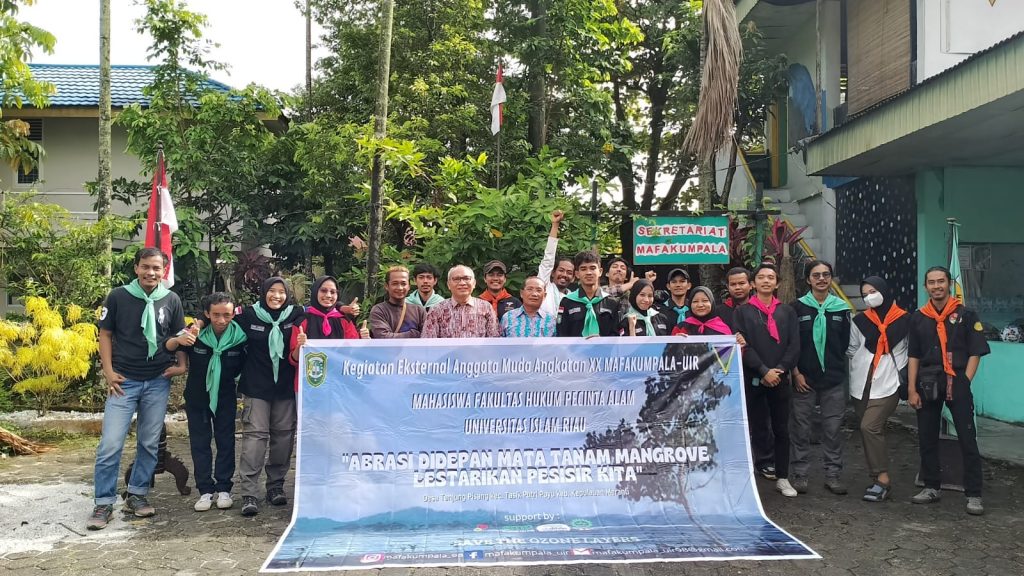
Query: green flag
[[957, 289]]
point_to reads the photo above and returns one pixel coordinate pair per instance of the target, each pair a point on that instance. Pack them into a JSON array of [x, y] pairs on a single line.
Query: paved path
[[44, 502]]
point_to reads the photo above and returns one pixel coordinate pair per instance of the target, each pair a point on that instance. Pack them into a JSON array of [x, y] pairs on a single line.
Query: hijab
[[644, 316], [711, 320], [323, 322], [266, 286], [896, 332]]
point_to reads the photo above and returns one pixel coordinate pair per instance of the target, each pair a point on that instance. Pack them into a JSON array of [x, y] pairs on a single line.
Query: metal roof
[[78, 85]]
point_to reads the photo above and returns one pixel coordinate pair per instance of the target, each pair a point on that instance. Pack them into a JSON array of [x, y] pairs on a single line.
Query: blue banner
[[524, 451]]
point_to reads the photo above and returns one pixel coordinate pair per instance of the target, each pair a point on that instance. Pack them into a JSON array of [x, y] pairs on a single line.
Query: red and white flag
[[497, 104], [161, 221]]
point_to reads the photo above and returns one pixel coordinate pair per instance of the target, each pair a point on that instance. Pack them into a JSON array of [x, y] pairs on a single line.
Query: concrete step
[[778, 194], [797, 219]]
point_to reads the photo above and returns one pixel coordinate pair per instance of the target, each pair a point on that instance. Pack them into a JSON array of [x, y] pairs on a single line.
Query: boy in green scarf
[[214, 362], [141, 326], [819, 377]]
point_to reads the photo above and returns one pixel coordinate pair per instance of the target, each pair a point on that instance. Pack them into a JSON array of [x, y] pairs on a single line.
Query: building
[[901, 114]]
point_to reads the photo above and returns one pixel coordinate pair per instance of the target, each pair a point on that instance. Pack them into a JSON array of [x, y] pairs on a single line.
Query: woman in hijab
[[878, 362], [268, 394], [703, 319], [324, 320], [641, 318]]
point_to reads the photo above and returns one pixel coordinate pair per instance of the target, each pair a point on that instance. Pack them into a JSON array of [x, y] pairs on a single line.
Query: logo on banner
[[553, 528], [581, 552], [316, 368], [473, 555], [582, 524], [372, 558]]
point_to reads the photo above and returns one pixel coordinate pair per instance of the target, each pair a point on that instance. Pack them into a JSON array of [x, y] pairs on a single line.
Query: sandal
[[876, 492]]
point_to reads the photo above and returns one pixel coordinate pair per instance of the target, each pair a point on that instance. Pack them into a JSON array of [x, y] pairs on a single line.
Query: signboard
[[524, 451], [681, 240]]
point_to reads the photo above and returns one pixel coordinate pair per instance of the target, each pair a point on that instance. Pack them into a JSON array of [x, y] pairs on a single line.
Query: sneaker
[[224, 501], [876, 493], [799, 484], [250, 506], [138, 505], [927, 496], [276, 496], [783, 485], [204, 503], [767, 472], [974, 507], [100, 517], [835, 486]]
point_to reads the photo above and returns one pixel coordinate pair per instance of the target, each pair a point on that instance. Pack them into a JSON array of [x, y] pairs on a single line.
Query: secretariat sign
[[523, 451], [681, 240]]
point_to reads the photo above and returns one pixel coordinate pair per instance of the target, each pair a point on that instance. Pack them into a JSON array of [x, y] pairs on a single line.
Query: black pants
[[220, 428], [929, 418], [768, 423]]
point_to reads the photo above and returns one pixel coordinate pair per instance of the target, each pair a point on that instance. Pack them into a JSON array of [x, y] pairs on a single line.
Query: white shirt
[[553, 296], [886, 379]]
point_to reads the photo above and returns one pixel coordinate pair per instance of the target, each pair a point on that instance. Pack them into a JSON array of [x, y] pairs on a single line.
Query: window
[[994, 284], [35, 134]]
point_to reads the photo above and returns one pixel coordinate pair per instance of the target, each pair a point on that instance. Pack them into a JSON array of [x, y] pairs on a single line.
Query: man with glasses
[[462, 315], [819, 377], [529, 320]]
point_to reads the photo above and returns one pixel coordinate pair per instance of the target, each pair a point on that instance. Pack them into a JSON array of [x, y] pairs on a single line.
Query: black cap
[[678, 272], [495, 265]]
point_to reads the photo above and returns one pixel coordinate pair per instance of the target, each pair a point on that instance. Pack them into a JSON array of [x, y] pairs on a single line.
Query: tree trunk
[[787, 277], [21, 446], [380, 126], [658, 96], [730, 174], [537, 126], [711, 275], [103, 177], [309, 52]]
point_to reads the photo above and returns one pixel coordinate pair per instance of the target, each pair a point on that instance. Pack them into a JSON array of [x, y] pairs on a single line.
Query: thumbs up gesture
[[352, 309], [364, 332], [300, 339], [188, 337]]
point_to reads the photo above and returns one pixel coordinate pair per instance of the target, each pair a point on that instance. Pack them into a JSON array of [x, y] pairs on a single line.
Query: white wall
[[949, 31]]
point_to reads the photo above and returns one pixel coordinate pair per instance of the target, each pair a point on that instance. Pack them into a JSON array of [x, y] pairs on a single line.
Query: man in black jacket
[[946, 345], [588, 311], [773, 348], [824, 320]]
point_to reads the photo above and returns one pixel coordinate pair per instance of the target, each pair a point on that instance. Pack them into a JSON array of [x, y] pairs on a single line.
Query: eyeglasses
[[460, 279], [821, 275]]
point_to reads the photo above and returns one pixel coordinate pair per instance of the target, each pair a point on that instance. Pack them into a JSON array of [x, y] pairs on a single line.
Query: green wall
[[989, 205]]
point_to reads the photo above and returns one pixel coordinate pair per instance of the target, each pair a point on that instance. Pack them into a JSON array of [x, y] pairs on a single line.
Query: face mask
[[874, 300]]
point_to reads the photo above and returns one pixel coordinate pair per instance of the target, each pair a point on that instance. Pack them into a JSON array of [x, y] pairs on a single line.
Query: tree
[[103, 187], [20, 39], [380, 123]]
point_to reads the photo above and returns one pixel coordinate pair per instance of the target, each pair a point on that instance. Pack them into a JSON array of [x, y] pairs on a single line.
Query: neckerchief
[[233, 336], [679, 310], [275, 340], [769, 311], [940, 328], [648, 325], [148, 322], [832, 303], [325, 326], [590, 325], [882, 348], [434, 299], [714, 323], [488, 296]]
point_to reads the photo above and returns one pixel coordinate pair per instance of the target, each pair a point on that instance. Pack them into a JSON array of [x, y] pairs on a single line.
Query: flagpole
[[157, 228], [497, 169]]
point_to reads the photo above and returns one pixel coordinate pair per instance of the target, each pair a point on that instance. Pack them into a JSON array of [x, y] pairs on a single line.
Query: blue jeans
[[149, 399]]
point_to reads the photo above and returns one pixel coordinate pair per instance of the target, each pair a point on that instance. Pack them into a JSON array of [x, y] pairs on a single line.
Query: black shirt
[[762, 352], [964, 338], [231, 362], [122, 316], [257, 379], [507, 304], [572, 315], [661, 323], [837, 340]]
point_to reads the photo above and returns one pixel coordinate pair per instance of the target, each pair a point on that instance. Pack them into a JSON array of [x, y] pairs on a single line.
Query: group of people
[[796, 356]]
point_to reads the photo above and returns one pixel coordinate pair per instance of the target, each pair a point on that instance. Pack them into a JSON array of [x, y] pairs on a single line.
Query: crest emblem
[[316, 368]]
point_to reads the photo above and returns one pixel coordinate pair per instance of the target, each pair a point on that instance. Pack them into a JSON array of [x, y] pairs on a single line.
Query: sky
[[262, 41]]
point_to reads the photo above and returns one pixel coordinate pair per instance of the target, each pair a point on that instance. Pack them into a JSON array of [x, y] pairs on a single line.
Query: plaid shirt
[[474, 319], [517, 324]]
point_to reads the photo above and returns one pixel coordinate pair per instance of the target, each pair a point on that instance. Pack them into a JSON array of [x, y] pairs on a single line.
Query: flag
[[957, 289], [497, 103], [161, 221]]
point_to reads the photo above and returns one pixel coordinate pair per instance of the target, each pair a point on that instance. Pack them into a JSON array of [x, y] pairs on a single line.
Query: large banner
[[524, 451]]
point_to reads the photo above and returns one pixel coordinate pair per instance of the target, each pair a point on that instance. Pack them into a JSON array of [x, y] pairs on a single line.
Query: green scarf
[[590, 326], [148, 313], [434, 299], [832, 303], [275, 340], [233, 336], [649, 331]]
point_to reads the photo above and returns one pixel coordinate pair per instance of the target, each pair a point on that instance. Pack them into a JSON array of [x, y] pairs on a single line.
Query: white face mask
[[874, 300]]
